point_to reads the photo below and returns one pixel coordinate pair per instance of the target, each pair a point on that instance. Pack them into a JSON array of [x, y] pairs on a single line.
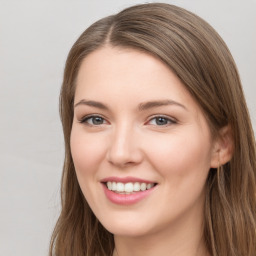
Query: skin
[[128, 140]]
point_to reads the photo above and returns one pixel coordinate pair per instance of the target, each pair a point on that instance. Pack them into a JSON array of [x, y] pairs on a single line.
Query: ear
[[223, 147]]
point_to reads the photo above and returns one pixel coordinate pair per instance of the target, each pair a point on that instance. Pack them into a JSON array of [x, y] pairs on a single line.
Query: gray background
[[35, 37]]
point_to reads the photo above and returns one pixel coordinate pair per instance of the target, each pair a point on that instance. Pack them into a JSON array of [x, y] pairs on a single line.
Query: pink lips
[[126, 199]]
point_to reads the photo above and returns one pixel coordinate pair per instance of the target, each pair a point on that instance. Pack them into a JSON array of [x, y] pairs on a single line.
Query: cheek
[[181, 155], [183, 162], [86, 151]]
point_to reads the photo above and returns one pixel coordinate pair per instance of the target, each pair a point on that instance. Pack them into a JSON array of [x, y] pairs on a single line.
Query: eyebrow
[[142, 106], [91, 103], [159, 103]]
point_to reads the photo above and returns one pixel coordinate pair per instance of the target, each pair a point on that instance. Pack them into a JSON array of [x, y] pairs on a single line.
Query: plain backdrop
[[35, 37]]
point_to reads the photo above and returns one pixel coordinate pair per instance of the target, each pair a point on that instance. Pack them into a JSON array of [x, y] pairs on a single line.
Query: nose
[[124, 147]]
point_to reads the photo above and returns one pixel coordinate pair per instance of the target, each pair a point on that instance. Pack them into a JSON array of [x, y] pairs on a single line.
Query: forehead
[[116, 70]]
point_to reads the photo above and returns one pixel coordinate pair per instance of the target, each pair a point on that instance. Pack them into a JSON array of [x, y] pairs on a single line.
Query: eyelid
[[87, 117], [168, 118], [171, 120]]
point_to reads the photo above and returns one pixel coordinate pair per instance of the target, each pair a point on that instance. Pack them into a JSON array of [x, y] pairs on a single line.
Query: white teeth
[[113, 186], [150, 185], [143, 186], [119, 187], [136, 186], [129, 187], [109, 185]]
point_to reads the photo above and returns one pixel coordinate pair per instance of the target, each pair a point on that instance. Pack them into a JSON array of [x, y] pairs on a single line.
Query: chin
[[128, 231], [123, 227]]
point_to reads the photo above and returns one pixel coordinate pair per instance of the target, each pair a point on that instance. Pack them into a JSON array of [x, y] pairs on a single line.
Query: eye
[[161, 121], [93, 120]]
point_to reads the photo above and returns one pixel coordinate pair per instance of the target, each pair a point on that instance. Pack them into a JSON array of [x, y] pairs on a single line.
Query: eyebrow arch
[[159, 103], [91, 103], [142, 106]]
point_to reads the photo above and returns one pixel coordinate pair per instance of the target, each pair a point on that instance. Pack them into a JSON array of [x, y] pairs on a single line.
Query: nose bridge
[[124, 147]]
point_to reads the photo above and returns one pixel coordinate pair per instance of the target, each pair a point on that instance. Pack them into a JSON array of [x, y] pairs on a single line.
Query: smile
[[130, 187], [128, 190]]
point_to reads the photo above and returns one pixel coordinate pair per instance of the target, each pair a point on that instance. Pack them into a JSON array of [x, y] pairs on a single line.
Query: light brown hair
[[199, 57]]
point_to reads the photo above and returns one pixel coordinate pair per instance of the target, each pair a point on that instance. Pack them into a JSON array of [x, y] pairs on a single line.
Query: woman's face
[[141, 146]]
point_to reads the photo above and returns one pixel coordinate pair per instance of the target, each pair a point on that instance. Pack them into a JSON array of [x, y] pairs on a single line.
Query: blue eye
[[93, 120], [161, 121]]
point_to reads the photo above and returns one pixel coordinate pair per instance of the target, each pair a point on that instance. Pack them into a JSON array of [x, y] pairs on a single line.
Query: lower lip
[[126, 199]]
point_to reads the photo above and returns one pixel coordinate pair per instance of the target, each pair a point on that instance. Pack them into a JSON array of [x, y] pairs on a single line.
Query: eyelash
[[169, 121], [85, 120]]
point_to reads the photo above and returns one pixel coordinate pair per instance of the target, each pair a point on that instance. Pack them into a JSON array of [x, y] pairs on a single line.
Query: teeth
[[136, 186], [143, 186], [109, 185], [119, 187], [113, 187], [126, 188], [150, 185]]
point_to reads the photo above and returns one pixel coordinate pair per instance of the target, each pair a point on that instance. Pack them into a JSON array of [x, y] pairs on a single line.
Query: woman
[[160, 152]]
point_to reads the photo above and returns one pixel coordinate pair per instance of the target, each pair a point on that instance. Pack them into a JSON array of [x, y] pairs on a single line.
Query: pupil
[[97, 120], [161, 121]]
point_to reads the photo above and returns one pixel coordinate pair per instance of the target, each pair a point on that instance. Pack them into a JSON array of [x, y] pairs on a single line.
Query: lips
[[128, 190]]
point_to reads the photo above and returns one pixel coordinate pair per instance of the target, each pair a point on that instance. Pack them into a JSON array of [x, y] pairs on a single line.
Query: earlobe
[[223, 147]]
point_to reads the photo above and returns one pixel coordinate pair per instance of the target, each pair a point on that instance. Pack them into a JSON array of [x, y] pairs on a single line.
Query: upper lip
[[125, 179]]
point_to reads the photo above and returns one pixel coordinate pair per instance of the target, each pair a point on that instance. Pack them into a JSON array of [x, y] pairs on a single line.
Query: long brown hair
[[199, 57]]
